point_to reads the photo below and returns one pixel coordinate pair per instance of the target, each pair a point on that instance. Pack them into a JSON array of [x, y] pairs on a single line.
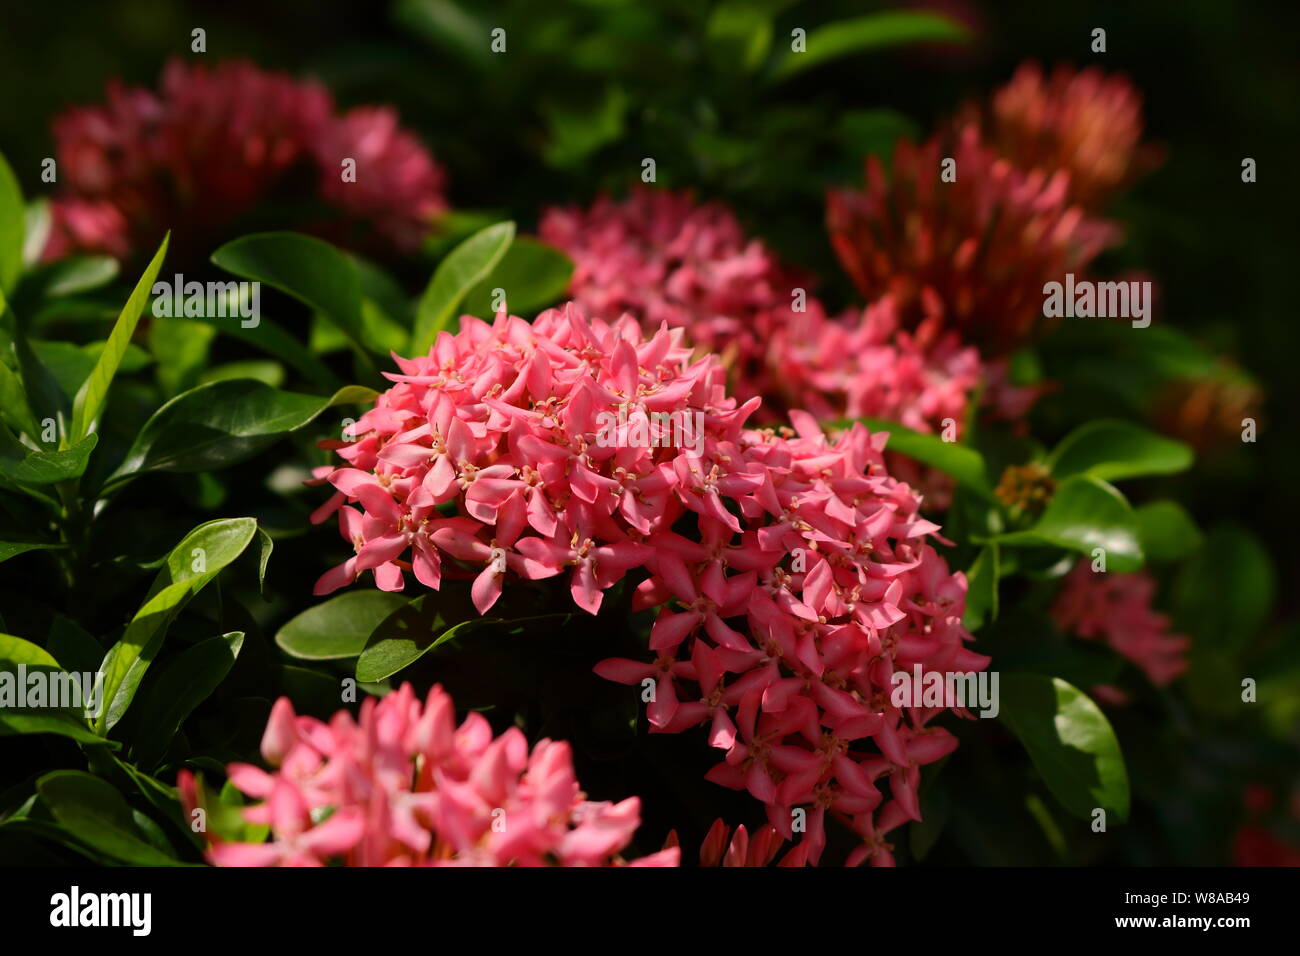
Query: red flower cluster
[[975, 251], [212, 144]]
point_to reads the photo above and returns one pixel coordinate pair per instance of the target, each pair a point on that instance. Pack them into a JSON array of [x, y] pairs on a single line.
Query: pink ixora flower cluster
[[212, 144], [665, 258], [563, 445], [792, 574], [781, 630], [1116, 607], [405, 786]]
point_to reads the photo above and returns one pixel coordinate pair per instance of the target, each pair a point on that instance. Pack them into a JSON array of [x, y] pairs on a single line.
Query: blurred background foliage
[[589, 88]]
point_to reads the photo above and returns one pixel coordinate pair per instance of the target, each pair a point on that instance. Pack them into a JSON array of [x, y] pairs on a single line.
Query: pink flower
[[1116, 607], [792, 574], [560, 447], [666, 259], [404, 786], [782, 634], [212, 144], [398, 189]]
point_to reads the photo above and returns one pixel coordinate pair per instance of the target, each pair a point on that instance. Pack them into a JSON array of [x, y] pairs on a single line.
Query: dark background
[[1220, 83]]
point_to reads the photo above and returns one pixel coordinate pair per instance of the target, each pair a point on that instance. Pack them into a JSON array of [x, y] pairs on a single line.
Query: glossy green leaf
[[10, 547], [216, 425], [69, 276], [29, 466], [181, 348], [309, 269], [13, 404], [65, 721], [338, 628], [199, 558], [1112, 449], [1084, 514], [274, 341], [1070, 742], [1167, 531], [13, 228], [37, 231], [872, 32], [532, 275], [415, 629], [456, 276], [90, 400], [182, 686], [95, 813]]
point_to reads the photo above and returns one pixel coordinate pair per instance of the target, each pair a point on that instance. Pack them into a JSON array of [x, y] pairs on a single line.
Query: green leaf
[[72, 645], [27, 466], [266, 545], [456, 276], [216, 425], [577, 131], [1070, 742], [37, 231], [1226, 594], [1086, 513], [873, 32], [266, 371], [274, 341], [339, 627], [199, 558], [531, 274], [1167, 531], [739, 33], [982, 591], [447, 25], [11, 548], [94, 393], [185, 684], [415, 629], [309, 269], [69, 276], [961, 461], [181, 348], [13, 404], [94, 812], [64, 721], [1111, 449], [13, 228]]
